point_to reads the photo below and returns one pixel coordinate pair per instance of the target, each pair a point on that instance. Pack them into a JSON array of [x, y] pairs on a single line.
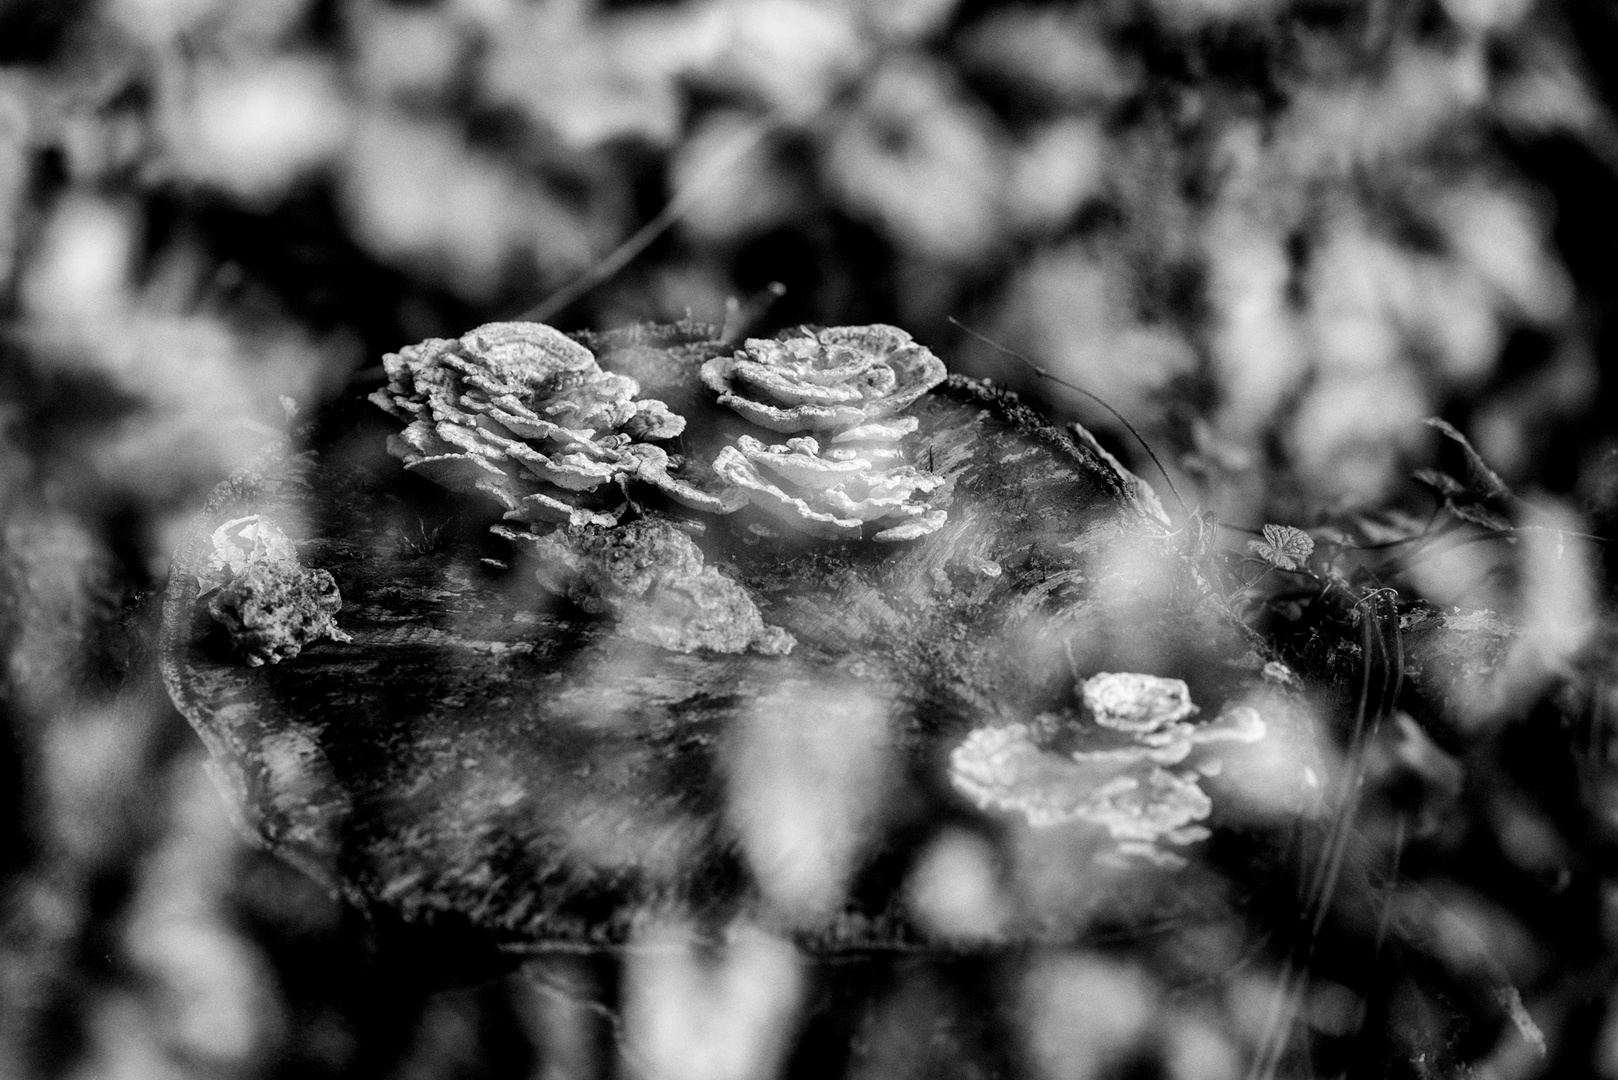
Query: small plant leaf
[[1283, 547], [1482, 482]]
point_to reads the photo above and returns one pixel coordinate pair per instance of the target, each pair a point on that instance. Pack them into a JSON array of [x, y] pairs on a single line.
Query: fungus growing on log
[[847, 384], [523, 413], [1116, 774], [832, 496], [1139, 803], [1137, 703], [825, 380], [269, 603]]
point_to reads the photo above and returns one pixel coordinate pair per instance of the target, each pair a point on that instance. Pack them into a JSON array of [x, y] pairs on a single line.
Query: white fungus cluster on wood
[[1127, 773], [825, 380], [1141, 704], [523, 413], [269, 603], [839, 392], [827, 495]]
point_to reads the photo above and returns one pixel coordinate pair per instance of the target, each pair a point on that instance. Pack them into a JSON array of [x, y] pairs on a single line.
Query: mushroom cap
[[1140, 803], [831, 496], [824, 380], [733, 465], [521, 412], [529, 357], [1132, 702]]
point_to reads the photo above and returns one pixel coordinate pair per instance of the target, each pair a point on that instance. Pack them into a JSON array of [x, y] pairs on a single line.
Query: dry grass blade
[[1317, 899], [744, 143]]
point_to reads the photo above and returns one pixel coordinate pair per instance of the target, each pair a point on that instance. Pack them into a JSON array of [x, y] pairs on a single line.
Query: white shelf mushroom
[[846, 385], [521, 412]]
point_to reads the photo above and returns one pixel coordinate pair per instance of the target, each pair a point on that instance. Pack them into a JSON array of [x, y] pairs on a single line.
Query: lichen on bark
[[651, 577], [269, 603]]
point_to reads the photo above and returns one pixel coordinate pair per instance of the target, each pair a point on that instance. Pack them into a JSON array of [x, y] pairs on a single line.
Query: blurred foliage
[[1276, 234]]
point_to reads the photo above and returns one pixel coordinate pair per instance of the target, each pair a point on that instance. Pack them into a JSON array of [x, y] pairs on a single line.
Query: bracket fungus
[[1122, 773], [652, 578], [1137, 703], [269, 603], [847, 385], [825, 380], [523, 413], [832, 496]]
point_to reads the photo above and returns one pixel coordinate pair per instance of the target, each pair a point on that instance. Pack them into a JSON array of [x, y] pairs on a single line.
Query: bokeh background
[[1275, 234]]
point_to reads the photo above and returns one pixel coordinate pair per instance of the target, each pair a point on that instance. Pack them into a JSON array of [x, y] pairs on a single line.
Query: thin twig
[[738, 147], [1044, 374]]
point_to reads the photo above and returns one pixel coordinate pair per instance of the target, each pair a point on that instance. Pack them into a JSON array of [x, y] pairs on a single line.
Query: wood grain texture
[[482, 751]]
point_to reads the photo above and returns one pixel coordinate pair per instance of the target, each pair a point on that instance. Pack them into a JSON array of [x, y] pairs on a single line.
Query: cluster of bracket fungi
[[524, 414], [846, 385], [1136, 770]]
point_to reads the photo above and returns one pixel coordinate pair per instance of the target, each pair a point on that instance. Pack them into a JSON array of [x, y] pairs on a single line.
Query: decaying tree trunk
[[484, 749]]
